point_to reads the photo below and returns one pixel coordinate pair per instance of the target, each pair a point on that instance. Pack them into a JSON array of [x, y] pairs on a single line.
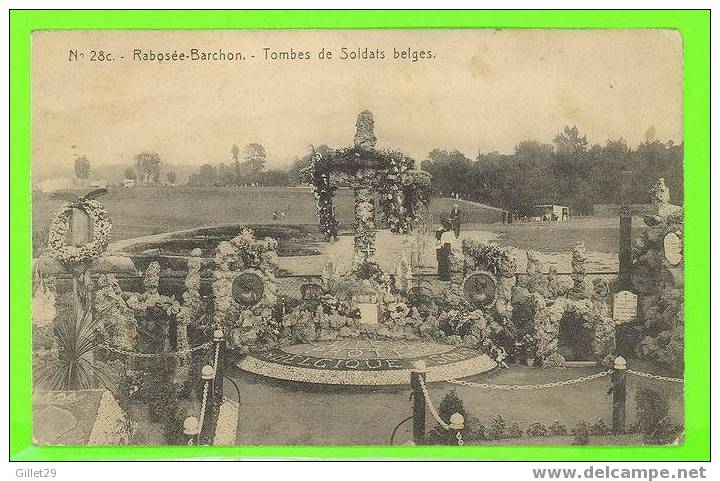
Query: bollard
[[418, 373], [619, 393], [191, 428], [457, 423], [207, 373]]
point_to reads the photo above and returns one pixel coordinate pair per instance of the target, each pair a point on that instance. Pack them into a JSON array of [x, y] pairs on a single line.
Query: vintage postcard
[[358, 237]]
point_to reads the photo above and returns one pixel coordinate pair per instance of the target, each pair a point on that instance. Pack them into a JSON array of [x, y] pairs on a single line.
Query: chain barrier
[[431, 407], [203, 406], [206, 387], [156, 354], [655, 376], [215, 360], [525, 387]]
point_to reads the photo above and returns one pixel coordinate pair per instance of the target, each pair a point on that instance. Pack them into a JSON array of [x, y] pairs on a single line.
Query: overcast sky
[[483, 90]]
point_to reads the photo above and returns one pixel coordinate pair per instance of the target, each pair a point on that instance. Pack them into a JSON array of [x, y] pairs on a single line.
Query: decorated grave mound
[[83, 417], [365, 362]]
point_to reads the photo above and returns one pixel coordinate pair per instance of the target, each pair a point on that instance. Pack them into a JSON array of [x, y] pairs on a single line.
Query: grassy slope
[[143, 211]]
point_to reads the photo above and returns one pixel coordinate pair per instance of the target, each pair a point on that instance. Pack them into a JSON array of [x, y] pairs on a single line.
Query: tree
[[571, 170], [254, 156], [207, 175], [130, 173], [275, 178], [566, 172], [449, 170], [147, 165], [529, 173], [171, 177], [235, 151], [226, 175], [82, 167], [296, 173]]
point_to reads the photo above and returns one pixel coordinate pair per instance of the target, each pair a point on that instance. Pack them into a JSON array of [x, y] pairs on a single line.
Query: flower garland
[[496, 259], [323, 192], [60, 225], [401, 190]]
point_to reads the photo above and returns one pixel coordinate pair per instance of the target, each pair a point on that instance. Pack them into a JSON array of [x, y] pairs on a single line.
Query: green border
[[695, 29]]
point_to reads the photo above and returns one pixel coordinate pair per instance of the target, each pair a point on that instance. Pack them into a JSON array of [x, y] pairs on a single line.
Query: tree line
[[566, 172], [247, 168]]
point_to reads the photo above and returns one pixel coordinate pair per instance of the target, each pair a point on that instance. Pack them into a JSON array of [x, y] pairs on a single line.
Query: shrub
[[582, 433], [654, 422], [450, 404], [474, 430], [599, 428], [515, 432], [498, 428], [557, 429], [537, 430], [74, 367]]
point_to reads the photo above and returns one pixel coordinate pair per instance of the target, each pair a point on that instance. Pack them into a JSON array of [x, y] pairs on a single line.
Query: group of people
[[445, 237], [275, 215]]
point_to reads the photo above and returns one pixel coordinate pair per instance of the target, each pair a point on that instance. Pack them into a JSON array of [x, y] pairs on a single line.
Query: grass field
[[142, 211]]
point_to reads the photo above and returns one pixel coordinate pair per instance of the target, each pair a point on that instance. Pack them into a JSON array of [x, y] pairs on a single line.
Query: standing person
[[443, 246], [275, 215], [455, 220], [282, 216]]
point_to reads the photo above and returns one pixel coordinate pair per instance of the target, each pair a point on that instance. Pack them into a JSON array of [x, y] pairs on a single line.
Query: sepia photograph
[[357, 237]]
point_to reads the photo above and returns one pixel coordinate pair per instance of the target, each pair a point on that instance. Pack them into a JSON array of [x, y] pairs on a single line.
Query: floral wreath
[[60, 225]]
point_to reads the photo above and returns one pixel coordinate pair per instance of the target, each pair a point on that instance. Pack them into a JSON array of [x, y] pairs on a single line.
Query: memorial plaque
[[247, 289], [479, 289], [673, 249], [624, 307], [368, 313], [368, 307]]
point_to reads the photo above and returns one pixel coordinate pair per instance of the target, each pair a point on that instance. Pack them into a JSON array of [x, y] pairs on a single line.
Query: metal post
[[625, 256], [207, 373], [619, 394], [417, 375]]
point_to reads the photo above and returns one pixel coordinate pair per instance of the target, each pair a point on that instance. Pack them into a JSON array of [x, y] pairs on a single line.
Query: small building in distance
[[550, 212], [128, 183]]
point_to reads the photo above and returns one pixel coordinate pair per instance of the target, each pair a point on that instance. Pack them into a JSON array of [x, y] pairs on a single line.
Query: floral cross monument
[[364, 193], [368, 171]]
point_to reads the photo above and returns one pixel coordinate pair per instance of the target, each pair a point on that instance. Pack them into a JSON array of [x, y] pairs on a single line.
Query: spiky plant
[[75, 367]]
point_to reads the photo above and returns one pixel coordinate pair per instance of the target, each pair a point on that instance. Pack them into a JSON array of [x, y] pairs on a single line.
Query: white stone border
[[469, 367], [226, 429]]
